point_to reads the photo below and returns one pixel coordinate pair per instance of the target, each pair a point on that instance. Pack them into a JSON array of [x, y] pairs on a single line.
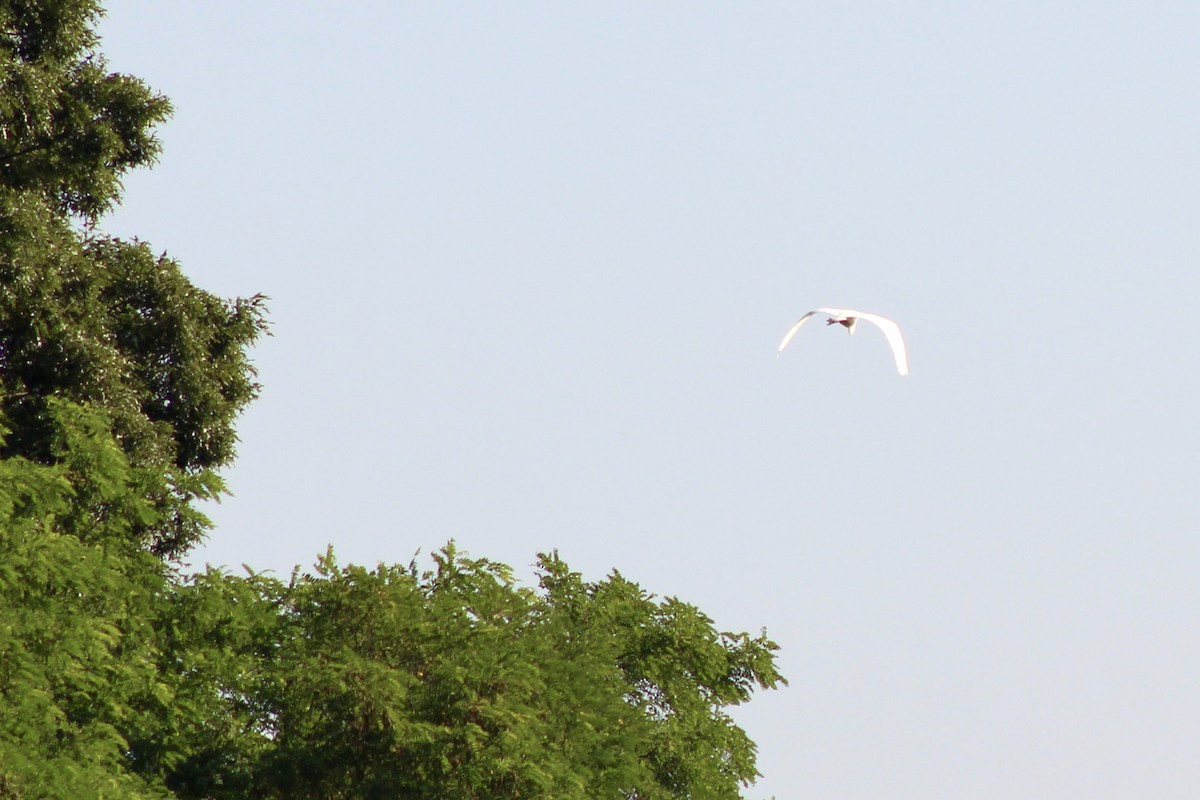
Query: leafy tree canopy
[[455, 682], [93, 319], [69, 129], [120, 383], [119, 679], [78, 653]]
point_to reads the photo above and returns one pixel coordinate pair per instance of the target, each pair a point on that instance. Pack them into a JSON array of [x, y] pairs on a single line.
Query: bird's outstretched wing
[[799, 324], [894, 337]]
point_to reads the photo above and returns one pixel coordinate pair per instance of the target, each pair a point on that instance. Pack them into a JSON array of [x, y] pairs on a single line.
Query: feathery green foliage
[[99, 321], [77, 649], [120, 382], [457, 682]]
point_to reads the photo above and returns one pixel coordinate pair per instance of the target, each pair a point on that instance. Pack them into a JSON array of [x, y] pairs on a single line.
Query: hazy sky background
[[529, 264]]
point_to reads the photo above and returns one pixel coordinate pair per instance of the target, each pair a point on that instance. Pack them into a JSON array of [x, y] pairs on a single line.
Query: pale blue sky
[[529, 264]]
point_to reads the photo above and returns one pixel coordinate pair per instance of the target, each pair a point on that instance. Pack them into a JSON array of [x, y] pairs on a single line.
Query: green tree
[[120, 383], [119, 679], [78, 659], [99, 321], [457, 682]]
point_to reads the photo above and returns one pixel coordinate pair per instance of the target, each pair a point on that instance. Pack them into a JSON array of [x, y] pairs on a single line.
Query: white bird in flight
[[849, 318]]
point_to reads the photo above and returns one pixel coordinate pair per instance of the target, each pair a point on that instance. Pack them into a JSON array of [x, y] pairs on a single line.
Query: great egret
[[849, 318]]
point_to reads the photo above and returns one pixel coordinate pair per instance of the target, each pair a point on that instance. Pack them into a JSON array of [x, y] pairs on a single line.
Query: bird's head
[[848, 322]]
